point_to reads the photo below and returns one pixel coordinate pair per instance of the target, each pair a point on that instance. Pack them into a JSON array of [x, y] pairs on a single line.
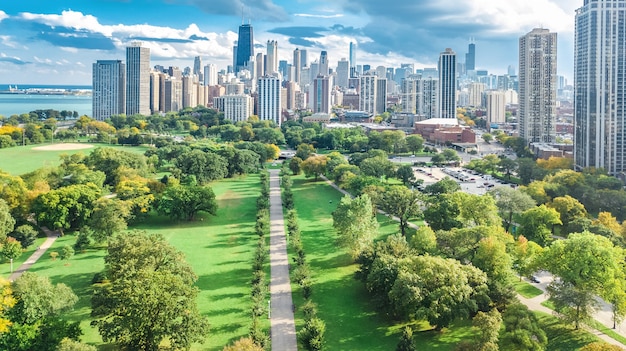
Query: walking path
[[52, 236], [283, 328]]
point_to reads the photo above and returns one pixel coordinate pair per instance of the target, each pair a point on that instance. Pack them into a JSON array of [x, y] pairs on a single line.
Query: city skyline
[[57, 43]]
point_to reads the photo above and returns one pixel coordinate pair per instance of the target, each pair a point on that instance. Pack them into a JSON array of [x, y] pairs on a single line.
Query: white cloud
[[337, 15], [6, 40], [3, 15]]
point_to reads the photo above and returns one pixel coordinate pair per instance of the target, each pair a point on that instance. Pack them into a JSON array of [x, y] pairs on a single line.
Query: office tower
[[197, 68], [381, 96], [427, 97], [210, 74], [190, 90], [476, 92], [245, 46], [320, 94], [470, 57], [343, 73], [303, 58], [283, 68], [232, 69], [447, 84], [323, 67], [260, 64], [366, 68], [352, 58], [137, 80], [305, 77], [269, 99], [381, 72], [409, 95], [175, 72], [599, 81], [496, 107], [271, 57], [314, 70], [297, 64], [155, 91], [511, 71], [368, 93], [173, 95], [109, 89], [537, 90]]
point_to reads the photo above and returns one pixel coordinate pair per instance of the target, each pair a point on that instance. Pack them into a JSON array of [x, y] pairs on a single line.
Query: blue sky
[[56, 42]]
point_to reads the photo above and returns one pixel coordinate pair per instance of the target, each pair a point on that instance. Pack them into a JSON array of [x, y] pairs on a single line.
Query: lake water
[[15, 104]]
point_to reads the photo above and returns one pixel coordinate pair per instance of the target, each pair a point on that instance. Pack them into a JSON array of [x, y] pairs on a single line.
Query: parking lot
[[470, 181]]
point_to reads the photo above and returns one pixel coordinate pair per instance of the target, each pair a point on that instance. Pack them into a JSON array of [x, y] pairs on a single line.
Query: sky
[[56, 42]]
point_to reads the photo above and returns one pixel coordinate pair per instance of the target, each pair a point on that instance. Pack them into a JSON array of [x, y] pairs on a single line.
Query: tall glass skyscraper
[[447, 84], [470, 57], [537, 86], [245, 47], [109, 89], [137, 80], [600, 85]]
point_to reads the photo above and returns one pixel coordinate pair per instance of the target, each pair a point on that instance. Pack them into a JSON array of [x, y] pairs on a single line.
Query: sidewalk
[[52, 236], [283, 328]]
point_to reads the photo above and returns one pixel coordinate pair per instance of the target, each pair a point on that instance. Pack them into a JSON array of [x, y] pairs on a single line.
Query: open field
[[23, 159], [219, 249]]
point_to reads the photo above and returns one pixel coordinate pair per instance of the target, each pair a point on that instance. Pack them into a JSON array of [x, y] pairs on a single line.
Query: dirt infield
[[63, 147]]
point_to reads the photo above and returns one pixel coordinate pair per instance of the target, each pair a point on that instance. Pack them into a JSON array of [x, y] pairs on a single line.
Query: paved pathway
[[283, 328], [52, 236]]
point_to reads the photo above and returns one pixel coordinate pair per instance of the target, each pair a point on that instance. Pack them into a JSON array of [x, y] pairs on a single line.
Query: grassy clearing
[[526, 290], [5, 265], [562, 337], [219, 249], [352, 323], [23, 159]]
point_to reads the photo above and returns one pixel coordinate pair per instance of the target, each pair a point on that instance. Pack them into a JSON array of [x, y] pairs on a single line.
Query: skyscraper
[[447, 84], [137, 80], [320, 94], [210, 74], [197, 68], [368, 96], [323, 63], [352, 60], [272, 57], [109, 89], [470, 57], [599, 81], [245, 47], [537, 86], [297, 64], [269, 99], [343, 73]]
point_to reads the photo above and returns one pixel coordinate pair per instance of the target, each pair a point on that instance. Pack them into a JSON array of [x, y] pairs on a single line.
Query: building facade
[[496, 107], [269, 99], [537, 86], [600, 85], [245, 47], [137, 80], [109, 89], [447, 84]]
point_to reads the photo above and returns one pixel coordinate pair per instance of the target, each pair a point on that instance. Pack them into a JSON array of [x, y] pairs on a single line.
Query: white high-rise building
[[599, 86], [447, 84], [210, 74], [271, 66], [537, 86], [269, 99], [236, 108], [368, 94], [109, 89], [297, 65], [427, 97], [137, 79], [409, 95], [496, 107], [476, 92]]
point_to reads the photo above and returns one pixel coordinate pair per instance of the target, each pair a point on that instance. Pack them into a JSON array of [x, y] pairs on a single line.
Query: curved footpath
[[283, 328], [51, 237]]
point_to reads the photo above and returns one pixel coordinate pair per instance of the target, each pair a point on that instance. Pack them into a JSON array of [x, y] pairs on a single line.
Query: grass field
[[23, 159], [343, 303], [219, 249], [526, 290]]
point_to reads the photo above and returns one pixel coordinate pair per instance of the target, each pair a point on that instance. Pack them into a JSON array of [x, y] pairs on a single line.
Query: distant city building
[[157, 83], [537, 88], [137, 80], [447, 84], [297, 64], [381, 96], [323, 66], [476, 93], [368, 93], [599, 83], [245, 46], [352, 58], [409, 95], [496, 108], [427, 97], [343, 73], [109, 89], [210, 74], [320, 94], [470, 57], [269, 99], [236, 108], [272, 57], [173, 95], [197, 68]]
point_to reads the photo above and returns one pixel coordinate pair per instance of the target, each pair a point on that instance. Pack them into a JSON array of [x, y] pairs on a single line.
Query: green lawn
[[5, 265], [219, 249], [23, 159], [562, 337], [526, 290], [343, 303]]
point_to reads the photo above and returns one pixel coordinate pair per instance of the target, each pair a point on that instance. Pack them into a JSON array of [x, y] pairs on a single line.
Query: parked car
[[534, 279]]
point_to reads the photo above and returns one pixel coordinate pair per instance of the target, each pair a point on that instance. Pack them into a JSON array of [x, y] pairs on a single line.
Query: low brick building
[[444, 130]]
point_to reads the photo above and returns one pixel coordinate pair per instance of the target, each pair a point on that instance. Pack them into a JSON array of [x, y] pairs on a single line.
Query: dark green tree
[[185, 201]]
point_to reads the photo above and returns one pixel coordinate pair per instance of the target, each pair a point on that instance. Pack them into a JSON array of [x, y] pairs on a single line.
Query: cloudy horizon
[[56, 43]]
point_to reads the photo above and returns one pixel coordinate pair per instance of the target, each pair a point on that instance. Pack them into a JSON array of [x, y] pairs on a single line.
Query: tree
[[7, 222], [68, 344], [82, 239], [67, 252], [522, 331], [403, 203], [205, 166], [11, 249], [414, 143], [314, 166], [406, 341], [407, 175], [568, 209], [488, 138], [312, 334], [377, 167], [108, 218], [526, 256], [507, 166], [488, 325], [243, 344], [25, 234], [37, 298], [305, 151], [600, 346], [150, 295], [295, 165], [355, 223], [67, 207], [110, 160], [510, 202], [185, 201], [536, 224], [7, 301], [475, 210], [444, 186]]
